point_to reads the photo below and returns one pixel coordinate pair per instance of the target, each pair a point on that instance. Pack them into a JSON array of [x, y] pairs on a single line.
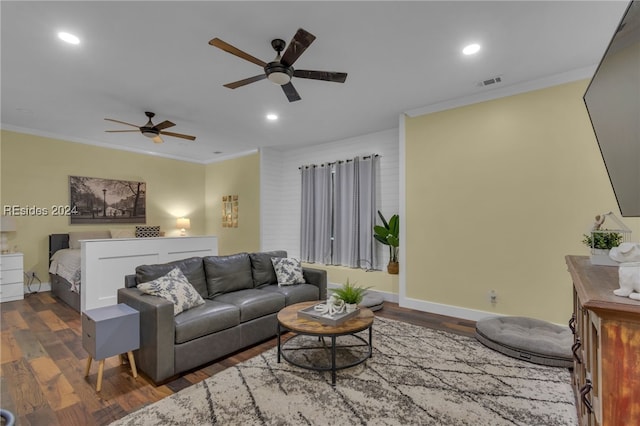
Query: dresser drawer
[[8, 262], [10, 292], [11, 277]]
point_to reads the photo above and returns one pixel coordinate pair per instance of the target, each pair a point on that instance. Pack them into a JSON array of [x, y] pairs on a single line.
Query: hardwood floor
[[42, 365]]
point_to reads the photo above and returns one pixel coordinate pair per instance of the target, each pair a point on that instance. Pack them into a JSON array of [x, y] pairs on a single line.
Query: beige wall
[[35, 172], [239, 176], [497, 193]]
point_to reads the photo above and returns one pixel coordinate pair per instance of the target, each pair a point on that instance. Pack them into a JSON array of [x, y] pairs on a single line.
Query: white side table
[[109, 331], [11, 277]]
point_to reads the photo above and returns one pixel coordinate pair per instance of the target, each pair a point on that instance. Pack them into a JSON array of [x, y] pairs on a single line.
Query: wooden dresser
[[606, 375]]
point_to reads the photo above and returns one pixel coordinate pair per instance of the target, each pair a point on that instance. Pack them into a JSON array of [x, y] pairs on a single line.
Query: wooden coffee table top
[[288, 318]]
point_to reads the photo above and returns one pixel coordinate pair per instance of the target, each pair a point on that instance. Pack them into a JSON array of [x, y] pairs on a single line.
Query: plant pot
[[393, 268], [601, 257], [351, 306]]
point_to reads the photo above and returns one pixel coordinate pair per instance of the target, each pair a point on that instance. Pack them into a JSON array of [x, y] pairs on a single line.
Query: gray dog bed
[[372, 301], [528, 339]]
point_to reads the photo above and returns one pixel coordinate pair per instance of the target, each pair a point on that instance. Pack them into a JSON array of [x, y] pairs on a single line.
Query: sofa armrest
[[317, 277], [157, 333]]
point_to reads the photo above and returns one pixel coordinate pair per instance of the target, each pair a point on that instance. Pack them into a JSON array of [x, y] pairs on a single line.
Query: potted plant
[[388, 234], [600, 242], [350, 294]]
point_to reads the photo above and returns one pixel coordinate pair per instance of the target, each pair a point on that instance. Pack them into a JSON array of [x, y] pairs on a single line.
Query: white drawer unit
[[11, 277]]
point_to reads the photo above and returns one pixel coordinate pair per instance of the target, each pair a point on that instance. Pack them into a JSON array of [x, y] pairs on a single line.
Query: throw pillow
[[175, 288], [147, 231], [288, 270]]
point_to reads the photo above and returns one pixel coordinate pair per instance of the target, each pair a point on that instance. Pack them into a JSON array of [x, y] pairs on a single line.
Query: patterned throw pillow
[[288, 270], [175, 288], [147, 231]]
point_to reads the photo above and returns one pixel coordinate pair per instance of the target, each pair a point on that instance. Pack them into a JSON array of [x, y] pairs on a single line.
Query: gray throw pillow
[[175, 288], [288, 270]]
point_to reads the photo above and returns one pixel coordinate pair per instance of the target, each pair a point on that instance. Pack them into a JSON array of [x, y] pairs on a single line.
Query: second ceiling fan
[[280, 71]]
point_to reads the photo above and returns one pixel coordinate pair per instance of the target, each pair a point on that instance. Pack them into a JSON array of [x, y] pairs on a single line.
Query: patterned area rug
[[416, 376]]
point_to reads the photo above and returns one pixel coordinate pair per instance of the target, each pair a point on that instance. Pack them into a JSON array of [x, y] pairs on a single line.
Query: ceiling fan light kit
[[280, 71]]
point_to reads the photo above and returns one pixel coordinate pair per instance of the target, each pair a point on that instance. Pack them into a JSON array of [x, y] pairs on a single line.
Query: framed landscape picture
[[99, 200]]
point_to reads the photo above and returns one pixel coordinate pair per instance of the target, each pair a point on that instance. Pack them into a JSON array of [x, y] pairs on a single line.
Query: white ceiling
[[154, 56]]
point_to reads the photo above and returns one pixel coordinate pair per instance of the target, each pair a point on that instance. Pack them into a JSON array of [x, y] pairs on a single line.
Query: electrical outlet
[[493, 296]]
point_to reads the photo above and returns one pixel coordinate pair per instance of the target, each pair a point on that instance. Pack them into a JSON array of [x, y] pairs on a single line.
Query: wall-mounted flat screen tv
[[613, 102]]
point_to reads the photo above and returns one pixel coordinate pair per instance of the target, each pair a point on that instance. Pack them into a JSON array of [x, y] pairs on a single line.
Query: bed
[[65, 264], [86, 268]]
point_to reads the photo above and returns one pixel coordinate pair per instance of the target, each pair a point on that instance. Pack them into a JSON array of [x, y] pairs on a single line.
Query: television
[[612, 100]]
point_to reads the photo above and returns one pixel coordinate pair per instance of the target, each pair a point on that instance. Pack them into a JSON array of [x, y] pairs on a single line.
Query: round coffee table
[[288, 320]]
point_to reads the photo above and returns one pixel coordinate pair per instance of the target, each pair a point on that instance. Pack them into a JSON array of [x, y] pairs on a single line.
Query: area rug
[[416, 376]]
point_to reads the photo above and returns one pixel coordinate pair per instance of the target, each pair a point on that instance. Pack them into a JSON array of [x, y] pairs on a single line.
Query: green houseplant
[[349, 293], [388, 234], [602, 240]]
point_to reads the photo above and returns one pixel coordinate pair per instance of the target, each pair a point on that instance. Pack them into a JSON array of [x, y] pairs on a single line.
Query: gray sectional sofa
[[242, 299]]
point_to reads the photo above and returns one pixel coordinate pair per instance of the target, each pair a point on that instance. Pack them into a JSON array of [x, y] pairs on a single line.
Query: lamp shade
[[183, 223], [7, 224]]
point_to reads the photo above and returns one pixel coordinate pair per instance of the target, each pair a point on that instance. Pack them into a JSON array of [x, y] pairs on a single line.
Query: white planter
[[601, 257], [351, 307]]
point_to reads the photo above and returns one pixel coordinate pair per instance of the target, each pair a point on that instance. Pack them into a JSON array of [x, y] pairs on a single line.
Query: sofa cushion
[[175, 288], [191, 268], [253, 303], [288, 270], [205, 319], [227, 273], [295, 293], [262, 268]]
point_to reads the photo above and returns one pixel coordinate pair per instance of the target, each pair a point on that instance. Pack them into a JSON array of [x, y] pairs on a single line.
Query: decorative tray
[[335, 319]]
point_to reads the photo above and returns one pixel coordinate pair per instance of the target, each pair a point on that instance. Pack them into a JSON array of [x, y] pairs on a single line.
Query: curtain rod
[[338, 162]]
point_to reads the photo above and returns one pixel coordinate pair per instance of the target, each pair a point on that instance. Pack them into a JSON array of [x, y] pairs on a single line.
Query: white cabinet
[[11, 277]]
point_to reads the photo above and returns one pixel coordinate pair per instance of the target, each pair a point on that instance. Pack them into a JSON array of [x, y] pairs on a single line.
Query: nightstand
[[109, 331], [11, 277]]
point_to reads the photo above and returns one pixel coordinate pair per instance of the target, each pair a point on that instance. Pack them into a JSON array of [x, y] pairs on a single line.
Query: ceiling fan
[[280, 71], [150, 130]]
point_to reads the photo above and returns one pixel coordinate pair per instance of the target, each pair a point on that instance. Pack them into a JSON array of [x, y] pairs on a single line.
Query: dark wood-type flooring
[[42, 372]]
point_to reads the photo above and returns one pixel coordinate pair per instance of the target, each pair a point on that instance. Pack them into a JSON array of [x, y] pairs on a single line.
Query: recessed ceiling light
[[69, 38], [471, 49], [272, 117]]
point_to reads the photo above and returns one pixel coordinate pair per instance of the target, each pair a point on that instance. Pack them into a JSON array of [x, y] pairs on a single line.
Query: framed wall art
[[99, 200]]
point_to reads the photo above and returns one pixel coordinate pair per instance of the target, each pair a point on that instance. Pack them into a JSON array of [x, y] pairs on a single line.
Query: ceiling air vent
[[490, 81]]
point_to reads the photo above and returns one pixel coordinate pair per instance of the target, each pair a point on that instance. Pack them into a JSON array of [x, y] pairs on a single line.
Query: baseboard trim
[[447, 310], [37, 288]]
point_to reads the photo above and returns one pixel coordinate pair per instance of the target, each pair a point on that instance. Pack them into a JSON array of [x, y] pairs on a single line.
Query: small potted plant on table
[[350, 294]]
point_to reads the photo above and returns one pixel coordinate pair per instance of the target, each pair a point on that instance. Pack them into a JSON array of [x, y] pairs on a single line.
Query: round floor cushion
[[528, 339], [372, 301]]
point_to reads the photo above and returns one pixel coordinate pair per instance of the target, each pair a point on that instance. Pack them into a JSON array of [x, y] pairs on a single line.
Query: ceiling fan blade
[[336, 77], [165, 124], [216, 42], [121, 131], [157, 139], [291, 92], [298, 44], [122, 122], [178, 135], [246, 81]]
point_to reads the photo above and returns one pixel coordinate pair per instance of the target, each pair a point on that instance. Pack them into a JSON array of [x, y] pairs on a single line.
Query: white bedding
[[66, 263]]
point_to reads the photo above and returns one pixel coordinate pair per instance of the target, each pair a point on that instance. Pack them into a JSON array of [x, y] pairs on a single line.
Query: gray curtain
[[346, 206], [354, 212], [317, 205]]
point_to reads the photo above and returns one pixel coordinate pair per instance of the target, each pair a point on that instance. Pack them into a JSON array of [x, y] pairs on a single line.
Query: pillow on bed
[[76, 236], [122, 233], [176, 289], [147, 231]]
